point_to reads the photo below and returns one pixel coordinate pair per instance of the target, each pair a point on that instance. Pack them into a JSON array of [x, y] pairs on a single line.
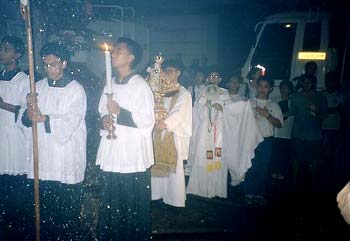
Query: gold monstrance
[[161, 87], [165, 154]]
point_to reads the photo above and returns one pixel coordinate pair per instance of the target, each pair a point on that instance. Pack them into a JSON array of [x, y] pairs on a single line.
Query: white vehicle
[[286, 41]]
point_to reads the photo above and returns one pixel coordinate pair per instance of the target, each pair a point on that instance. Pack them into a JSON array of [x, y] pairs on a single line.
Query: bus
[[286, 41]]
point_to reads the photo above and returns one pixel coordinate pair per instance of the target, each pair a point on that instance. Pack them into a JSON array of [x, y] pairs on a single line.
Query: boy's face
[[310, 69], [121, 56], [199, 78], [214, 78], [172, 74], [263, 89], [233, 85], [284, 90], [8, 54], [54, 67], [307, 85]]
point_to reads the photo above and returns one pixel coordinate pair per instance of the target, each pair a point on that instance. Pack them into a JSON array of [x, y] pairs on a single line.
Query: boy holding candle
[[125, 161], [268, 116]]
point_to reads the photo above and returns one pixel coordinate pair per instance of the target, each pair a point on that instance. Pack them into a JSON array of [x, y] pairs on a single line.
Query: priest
[[208, 174]]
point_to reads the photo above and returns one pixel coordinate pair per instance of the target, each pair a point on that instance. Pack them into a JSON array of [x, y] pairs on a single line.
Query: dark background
[[237, 18]]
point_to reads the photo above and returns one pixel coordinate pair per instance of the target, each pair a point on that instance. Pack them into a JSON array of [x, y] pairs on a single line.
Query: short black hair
[[16, 42], [57, 49], [267, 79], [214, 69], [134, 48], [173, 63], [289, 85]]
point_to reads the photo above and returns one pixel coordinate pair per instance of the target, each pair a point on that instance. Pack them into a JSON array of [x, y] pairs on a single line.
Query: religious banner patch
[[218, 151], [213, 166], [217, 165], [209, 155]]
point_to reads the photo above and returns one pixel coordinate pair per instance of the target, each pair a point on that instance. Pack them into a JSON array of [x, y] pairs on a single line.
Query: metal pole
[[25, 10]]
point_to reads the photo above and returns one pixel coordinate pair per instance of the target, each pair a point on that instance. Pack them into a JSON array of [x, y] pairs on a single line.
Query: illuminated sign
[[312, 55]]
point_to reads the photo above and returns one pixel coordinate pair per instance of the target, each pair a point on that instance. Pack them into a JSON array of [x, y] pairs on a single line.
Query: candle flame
[[106, 46]]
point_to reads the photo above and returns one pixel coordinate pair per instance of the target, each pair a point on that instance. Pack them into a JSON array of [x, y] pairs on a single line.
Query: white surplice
[[14, 143], [132, 150], [241, 136], [179, 121], [62, 153], [208, 177], [265, 127]]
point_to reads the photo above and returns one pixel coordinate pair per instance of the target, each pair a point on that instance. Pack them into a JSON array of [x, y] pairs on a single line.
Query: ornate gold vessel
[[161, 87]]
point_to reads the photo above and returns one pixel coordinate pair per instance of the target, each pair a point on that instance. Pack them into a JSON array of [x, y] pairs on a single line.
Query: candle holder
[[111, 128]]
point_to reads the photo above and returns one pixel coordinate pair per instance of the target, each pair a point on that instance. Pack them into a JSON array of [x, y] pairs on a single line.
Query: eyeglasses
[[52, 65], [213, 76], [171, 70]]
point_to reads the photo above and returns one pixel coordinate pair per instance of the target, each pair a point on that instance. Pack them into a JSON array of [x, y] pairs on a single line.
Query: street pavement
[[286, 216]]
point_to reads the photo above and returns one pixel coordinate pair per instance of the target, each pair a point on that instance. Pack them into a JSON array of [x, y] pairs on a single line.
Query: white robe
[[62, 153], [241, 136], [208, 177], [265, 127], [235, 98], [14, 144], [197, 91], [132, 150], [179, 121]]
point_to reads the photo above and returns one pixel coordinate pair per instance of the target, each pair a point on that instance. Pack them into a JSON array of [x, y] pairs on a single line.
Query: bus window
[[275, 49], [312, 37]]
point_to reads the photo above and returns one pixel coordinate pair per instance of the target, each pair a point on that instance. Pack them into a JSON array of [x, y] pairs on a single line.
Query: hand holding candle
[[108, 70]]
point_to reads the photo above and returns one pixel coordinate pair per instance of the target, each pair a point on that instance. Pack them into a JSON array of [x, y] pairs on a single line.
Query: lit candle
[[108, 70]]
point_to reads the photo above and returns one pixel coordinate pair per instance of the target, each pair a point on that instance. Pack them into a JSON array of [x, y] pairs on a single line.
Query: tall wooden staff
[[25, 10]]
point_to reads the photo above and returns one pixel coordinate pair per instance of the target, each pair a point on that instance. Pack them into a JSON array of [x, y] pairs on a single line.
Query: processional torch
[[25, 11]]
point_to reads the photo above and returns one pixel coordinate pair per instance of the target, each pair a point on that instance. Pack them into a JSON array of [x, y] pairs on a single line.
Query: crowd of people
[[217, 135]]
